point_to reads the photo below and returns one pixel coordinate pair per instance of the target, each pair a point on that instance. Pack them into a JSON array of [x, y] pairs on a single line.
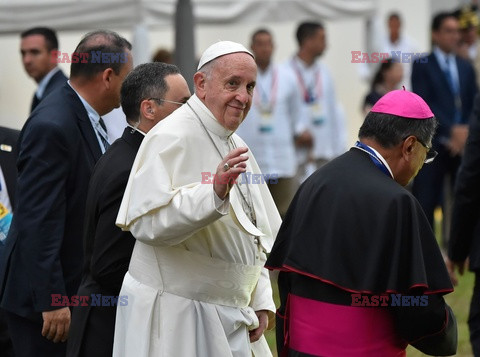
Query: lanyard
[[309, 94], [260, 92], [373, 156]]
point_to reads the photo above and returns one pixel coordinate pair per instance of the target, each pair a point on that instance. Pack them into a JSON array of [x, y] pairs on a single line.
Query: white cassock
[[196, 276]]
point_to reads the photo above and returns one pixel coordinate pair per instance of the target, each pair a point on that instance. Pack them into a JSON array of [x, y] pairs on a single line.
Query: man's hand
[[304, 140], [263, 324], [226, 176], [451, 269], [56, 324], [458, 138]]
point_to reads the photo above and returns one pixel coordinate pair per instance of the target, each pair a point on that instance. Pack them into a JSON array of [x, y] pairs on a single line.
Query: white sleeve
[[191, 209]]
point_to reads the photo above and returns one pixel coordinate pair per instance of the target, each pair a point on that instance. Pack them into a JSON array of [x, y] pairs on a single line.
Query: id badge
[[5, 221], [266, 117], [317, 114]]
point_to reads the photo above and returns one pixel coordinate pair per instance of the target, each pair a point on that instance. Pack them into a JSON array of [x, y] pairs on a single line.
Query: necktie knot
[[102, 124]]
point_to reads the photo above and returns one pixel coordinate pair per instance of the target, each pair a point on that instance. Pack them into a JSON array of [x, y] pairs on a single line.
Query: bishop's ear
[[408, 147]]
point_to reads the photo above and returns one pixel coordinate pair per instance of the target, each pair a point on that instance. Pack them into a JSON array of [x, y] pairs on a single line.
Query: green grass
[[459, 301]]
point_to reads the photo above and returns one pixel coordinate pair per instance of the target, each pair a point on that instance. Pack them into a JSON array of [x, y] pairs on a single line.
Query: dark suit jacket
[[429, 82], [58, 149], [8, 158], [107, 249], [465, 228], [57, 81], [9, 138]]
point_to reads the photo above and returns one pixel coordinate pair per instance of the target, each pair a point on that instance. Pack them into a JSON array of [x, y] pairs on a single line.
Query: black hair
[[48, 33], [439, 18], [145, 81], [306, 30]]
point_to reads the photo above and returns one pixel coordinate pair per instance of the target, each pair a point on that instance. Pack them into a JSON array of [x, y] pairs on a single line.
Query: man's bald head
[[105, 49]]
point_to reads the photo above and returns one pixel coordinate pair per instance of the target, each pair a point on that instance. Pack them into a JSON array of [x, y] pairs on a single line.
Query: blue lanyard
[[376, 160]]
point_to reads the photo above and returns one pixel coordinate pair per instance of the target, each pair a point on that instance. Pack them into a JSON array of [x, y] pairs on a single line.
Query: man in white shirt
[[38, 49], [276, 116], [326, 120], [196, 285]]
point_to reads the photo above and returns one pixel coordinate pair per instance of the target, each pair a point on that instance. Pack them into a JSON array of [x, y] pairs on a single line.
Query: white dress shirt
[[276, 116]]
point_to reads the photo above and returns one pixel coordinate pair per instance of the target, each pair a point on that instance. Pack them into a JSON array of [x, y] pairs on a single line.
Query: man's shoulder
[[56, 109], [465, 65], [424, 62], [8, 134], [58, 79], [286, 74], [179, 125], [113, 168], [356, 172]]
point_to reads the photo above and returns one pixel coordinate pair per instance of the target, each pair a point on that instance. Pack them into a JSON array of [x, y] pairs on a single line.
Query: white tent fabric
[[16, 15]]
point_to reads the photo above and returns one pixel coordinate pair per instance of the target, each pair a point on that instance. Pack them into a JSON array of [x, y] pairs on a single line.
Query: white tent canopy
[[17, 15]]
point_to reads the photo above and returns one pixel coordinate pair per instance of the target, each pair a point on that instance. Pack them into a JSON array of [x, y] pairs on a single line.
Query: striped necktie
[[103, 134]]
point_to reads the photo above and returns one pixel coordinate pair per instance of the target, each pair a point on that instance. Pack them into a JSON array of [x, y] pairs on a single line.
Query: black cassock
[[353, 229]]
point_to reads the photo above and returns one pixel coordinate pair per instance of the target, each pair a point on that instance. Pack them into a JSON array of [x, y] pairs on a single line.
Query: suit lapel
[[438, 72], [54, 82], [85, 126]]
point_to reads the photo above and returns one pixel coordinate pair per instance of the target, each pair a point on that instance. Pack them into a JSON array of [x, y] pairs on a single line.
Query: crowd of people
[[166, 240]]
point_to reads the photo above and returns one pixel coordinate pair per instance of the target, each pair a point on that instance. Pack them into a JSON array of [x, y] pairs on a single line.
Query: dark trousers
[[92, 330], [28, 341], [6, 348], [474, 317]]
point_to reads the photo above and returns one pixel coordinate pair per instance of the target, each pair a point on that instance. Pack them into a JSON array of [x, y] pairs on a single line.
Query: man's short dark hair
[[261, 31], [390, 130], [439, 18], [145, 81], [100, 42], [394, 15], [48, 33], [306, 30]]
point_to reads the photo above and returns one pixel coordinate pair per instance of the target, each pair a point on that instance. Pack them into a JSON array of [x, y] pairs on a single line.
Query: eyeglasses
[[431, 154], [167, 101]]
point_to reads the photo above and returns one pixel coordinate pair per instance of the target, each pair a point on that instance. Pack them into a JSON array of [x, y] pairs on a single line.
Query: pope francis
[[196, 284]]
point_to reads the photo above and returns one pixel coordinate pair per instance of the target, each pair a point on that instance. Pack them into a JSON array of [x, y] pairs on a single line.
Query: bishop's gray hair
[[390, 130]]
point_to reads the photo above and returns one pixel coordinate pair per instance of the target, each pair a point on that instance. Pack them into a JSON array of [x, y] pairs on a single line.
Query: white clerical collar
[[135, 128], [210, 122]]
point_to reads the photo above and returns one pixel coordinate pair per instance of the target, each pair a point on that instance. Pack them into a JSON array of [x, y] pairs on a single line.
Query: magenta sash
[[324, 329]]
